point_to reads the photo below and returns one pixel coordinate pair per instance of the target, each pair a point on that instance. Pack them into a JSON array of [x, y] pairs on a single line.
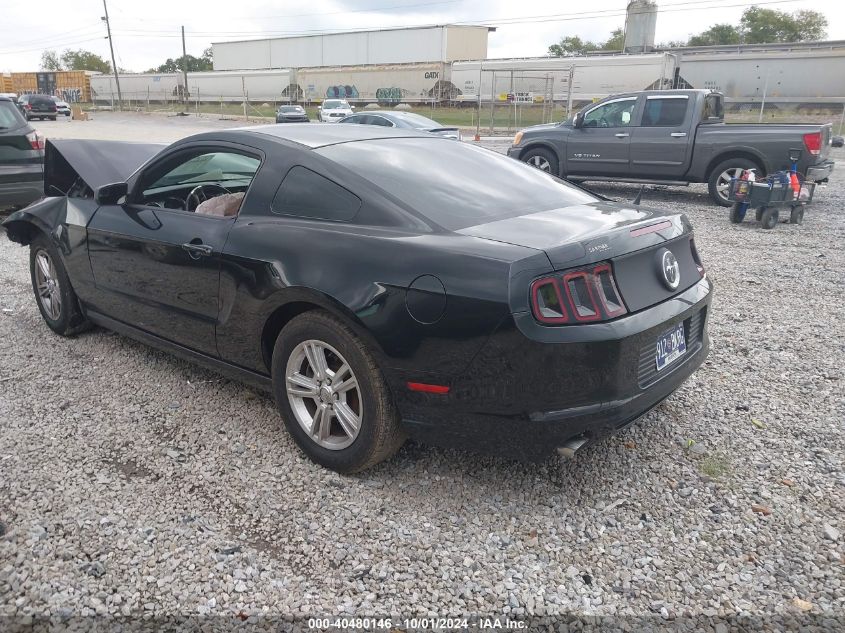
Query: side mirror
[[578, 121], [110, 194]]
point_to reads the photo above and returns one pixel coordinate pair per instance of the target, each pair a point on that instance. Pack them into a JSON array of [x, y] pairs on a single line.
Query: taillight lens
[[813, 143], [36, 139], [578, 296], [697, 258]]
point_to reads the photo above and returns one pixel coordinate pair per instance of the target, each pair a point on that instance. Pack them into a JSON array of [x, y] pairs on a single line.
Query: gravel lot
[[133, 483]]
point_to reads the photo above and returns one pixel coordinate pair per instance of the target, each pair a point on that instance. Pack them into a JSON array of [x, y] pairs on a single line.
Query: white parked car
[[333, 110], [62, 107]]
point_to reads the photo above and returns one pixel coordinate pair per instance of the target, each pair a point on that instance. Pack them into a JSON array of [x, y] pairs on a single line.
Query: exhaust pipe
[[571, 446]]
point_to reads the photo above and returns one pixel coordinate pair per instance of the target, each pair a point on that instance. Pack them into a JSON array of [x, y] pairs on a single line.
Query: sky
[[146, 33]]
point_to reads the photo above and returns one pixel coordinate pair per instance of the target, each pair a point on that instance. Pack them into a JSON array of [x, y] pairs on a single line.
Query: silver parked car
[[406, 120]]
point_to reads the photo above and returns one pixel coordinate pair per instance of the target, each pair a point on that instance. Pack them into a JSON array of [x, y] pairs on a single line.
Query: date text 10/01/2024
[[415, 624]]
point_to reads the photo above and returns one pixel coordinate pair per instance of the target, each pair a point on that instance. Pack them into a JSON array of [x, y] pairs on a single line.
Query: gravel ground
[[133, 483]]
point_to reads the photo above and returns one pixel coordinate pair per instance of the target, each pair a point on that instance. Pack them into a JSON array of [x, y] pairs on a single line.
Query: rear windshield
[[9, 115], [39, 99], [455, 185]]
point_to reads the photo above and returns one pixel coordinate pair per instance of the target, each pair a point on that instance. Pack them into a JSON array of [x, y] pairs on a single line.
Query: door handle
[[678, 134], [622, 135], [197, 250]]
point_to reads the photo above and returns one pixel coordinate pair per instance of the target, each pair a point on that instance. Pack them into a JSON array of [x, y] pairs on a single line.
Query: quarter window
[[613, 114], [307, 194], [665, 112]]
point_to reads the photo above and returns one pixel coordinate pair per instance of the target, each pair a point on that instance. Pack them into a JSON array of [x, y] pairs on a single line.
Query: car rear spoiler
[[96, 163]]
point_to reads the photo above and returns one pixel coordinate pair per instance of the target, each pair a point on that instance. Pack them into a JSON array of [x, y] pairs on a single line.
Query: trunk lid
[[632, 238]]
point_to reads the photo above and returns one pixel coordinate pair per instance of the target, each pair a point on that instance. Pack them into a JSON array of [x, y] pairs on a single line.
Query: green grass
[[715, 466], [505, 117]]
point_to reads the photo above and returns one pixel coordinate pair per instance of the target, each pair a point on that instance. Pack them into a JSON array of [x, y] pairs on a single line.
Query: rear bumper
[[525, 397], [820, 171]]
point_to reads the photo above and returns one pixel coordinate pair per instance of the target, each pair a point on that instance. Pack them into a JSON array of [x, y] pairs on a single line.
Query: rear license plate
[[671, 346]]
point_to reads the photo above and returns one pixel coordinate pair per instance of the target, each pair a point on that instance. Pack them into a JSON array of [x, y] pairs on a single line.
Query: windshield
[[214, 167], [290, 109], [464, 185], [334, 104]]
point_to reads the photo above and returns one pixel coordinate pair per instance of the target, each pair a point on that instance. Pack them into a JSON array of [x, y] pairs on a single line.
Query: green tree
[[765, 26], [84, 60], [195, 64], [572, 45], [50, 61], [616, 41], [715, 35]]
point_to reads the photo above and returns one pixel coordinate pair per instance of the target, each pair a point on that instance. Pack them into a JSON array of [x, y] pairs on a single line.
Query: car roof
[[313, 135]]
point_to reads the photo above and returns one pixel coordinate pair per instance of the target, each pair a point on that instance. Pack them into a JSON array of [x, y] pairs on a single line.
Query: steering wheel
[[199, 195]]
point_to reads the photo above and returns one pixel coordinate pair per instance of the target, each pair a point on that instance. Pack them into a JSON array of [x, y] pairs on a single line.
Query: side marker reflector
[[424, 388]]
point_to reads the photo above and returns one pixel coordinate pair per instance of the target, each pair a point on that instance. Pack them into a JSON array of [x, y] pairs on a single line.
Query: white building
[[445, 43]]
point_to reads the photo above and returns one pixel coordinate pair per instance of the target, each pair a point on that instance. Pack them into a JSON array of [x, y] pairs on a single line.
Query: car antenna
[[639, 195]]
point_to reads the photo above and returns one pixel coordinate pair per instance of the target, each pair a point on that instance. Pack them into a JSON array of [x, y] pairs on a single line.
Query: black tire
[[758, 215], [796, 216], [542, 159], [736, 214], [380, 434], [769, 218], [52, 118], [713, 180], [68, 318]]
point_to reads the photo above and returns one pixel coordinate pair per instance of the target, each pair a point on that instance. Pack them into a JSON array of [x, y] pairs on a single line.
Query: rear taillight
[[36, 139], [813, 143], [697, 258], [578, 296]]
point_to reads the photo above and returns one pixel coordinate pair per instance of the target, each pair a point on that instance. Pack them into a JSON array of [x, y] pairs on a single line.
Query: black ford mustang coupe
[[378, 282]]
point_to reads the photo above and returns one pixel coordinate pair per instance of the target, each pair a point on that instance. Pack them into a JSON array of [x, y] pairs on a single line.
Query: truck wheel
[[719, 182], [769, 218], [542, 159]]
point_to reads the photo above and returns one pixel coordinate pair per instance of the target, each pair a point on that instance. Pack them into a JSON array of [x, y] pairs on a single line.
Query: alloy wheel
[[540, 163], [324, 394], [723, 184], [47, 284]]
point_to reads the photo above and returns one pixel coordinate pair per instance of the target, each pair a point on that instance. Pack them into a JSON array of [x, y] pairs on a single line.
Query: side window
[[190, 180], [380, 120], [613, 114], [307, 194], [664, 111], [356, 118]]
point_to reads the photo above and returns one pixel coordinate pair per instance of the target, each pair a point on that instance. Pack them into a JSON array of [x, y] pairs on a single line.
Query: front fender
[[45, 216]]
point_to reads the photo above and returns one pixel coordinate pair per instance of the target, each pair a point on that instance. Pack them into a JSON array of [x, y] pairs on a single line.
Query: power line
[[324, 13], [555, 17]]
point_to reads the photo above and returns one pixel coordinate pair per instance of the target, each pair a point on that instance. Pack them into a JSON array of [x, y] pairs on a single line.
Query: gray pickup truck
[[671, 137]]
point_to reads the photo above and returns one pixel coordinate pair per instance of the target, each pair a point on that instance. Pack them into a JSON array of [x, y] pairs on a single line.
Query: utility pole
[[184, 67], [113, 63]]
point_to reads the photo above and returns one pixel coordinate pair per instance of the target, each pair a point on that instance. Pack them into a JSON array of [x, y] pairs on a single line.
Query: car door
[[601, 146], [157, 267], [661, 143]]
